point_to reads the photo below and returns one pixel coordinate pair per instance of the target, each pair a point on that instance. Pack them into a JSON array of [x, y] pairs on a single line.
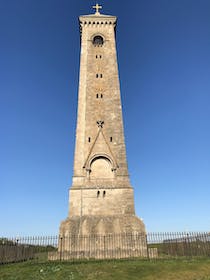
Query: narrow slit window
[[110, 139], [101, 75], [98, 193], [96, 75], [89, 139], [104, 193], [96, 56], [97, 95], [101, 95]]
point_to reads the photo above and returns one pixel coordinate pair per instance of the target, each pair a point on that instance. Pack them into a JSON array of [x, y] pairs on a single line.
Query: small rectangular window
[[96, 75], [101, 75], [89, 139], [101, 95], [110, 139]]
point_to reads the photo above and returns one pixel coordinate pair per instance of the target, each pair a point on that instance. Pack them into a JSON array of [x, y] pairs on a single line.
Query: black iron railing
[[111, 246]]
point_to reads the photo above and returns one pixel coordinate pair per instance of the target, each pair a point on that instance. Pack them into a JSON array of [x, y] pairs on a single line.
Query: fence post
[[147, 247], [189, 242], [17, 253], [3, 251], [61, 246], [104, 247]]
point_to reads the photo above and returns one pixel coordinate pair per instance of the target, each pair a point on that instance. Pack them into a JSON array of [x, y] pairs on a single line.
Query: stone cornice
[[97, 20]]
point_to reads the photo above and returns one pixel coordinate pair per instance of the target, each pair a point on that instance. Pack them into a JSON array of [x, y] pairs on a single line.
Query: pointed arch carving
[[92, 155]]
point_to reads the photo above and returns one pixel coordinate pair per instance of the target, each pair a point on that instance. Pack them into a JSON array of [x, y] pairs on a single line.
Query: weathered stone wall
[[101, 202], [102, 225]]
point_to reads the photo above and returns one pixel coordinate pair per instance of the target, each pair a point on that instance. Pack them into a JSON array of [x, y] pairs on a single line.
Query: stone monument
[[101, 198]]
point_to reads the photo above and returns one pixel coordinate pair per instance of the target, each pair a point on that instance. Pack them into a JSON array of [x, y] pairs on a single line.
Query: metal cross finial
[[100, 123], [97, 7]]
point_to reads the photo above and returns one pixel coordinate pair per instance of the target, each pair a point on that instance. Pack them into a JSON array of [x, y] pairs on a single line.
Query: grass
[[194, 269]]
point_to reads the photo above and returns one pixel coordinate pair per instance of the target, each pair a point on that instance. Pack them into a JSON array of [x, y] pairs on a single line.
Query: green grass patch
[[192, 269]]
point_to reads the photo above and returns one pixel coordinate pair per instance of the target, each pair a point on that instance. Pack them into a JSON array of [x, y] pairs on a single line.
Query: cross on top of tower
[[97, 7]]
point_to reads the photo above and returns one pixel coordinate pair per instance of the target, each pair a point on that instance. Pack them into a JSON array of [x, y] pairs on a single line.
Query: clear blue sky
[[164, 62]]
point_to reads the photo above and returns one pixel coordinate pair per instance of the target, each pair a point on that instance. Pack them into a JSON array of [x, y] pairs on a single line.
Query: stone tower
[[101, 197]]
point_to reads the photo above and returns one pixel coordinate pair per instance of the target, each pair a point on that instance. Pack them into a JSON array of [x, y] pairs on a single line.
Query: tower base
[[97, 237], [102, 225]]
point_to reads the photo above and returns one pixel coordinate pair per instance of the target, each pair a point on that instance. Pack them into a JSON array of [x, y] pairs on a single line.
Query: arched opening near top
[[98, 40], [101, 168]]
